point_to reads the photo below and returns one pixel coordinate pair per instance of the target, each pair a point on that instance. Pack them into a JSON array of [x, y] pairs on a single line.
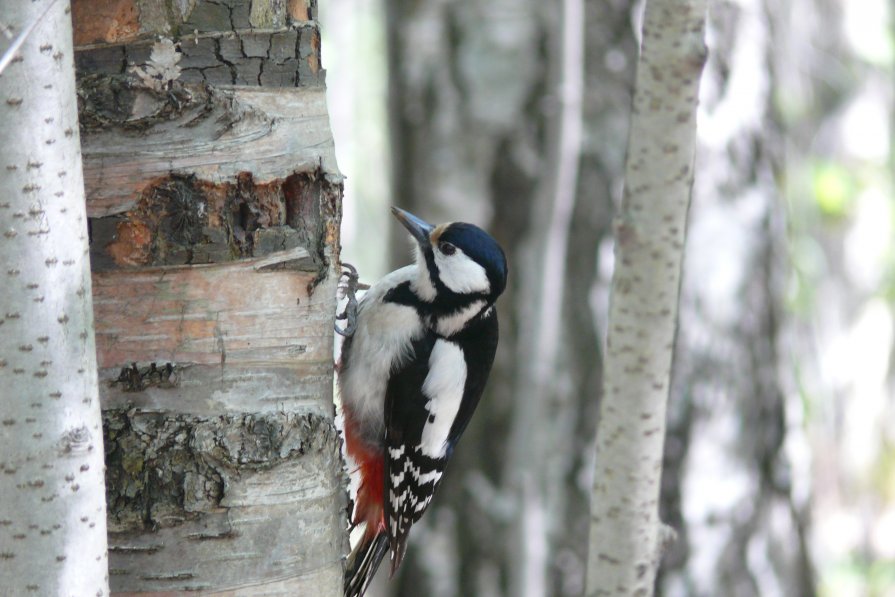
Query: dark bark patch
[[255, 45], [283, 46], [167, 223], [287, 57], [163, 470], [200, 53], [208, 16], [305, 197], [107, 60], [124, 102], [180, 220], [137, 379], [309, 72]]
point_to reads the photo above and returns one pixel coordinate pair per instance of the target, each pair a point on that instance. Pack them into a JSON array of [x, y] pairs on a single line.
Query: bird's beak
[[420, 229]]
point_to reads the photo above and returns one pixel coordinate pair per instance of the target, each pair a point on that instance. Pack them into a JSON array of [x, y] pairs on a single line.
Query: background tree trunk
[[728, 484], [214, 204], [627, 536], [52, 511], [477, 129]]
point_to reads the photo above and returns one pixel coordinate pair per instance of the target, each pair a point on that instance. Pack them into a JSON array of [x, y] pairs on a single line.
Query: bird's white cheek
[[461, 274]]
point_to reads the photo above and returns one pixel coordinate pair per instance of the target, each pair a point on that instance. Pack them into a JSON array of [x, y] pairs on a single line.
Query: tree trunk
[[52, 512], [484, 126], [214, 204], [728, 485], [627, 537]]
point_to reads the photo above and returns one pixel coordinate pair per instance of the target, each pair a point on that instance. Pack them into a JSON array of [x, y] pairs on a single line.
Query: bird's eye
[[447, 248]]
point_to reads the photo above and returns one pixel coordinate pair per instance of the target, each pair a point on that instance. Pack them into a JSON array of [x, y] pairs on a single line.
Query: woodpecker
[[410, 378]]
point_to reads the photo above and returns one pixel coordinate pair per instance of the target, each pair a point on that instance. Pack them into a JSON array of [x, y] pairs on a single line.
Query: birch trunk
[[626, 534], [52, 511], [214, 203]]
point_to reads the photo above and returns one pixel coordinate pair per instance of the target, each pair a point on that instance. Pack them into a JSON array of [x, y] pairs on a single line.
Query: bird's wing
[[410, 475], [428, 404]]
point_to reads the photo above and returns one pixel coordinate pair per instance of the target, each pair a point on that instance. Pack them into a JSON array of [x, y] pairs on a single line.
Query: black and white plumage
[[410, 378]]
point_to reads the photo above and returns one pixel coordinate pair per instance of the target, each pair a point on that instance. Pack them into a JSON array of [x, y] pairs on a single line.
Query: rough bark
[[52, 512], [627, 537], [214, 204], [728, 485], [478, 134]]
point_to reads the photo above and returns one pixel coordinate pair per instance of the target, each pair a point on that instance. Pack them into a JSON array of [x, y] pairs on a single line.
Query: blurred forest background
[[780, 458]]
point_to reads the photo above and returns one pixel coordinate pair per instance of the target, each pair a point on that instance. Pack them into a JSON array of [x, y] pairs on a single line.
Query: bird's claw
[[350, 286]]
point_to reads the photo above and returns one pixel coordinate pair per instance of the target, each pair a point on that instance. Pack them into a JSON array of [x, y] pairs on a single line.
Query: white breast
[[444, 387], [449, 325], [381, 343]]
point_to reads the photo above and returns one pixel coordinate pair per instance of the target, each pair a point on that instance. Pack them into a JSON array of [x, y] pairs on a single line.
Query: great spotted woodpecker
[[410, 378]]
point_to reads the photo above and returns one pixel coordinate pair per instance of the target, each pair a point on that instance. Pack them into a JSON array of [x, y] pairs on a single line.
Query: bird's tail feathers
[[363, 563], [367, 509]]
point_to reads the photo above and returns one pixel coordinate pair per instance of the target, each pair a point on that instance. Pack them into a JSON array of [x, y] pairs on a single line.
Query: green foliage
[[858, 576], [884, 471], [833, 188]]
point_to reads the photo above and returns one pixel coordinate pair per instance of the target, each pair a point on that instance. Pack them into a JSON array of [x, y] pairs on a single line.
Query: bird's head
[[455, 259]]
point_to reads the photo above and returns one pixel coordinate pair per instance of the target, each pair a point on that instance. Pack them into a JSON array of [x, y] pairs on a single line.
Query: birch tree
[[52, 510], [627, 536], [214, 204]]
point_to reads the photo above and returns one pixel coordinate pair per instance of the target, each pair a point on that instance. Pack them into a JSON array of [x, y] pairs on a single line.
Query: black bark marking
[[134, 379]]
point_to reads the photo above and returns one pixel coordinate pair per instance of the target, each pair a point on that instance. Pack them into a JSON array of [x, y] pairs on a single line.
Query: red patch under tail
[[368, 508]]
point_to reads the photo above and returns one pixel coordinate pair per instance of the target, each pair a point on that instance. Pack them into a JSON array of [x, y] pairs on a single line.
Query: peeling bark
[[52, 513], [180, 220], [191, 489], [214, 203]]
